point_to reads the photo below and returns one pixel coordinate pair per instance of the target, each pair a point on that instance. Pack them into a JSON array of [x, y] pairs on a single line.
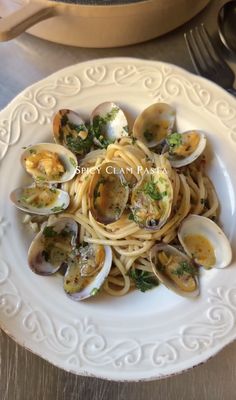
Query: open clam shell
[[154, 124], [175, 270], [151, 200], [205, 242], [49, 163], [108, 193], [86, 274], [40, 200], [109, 123], [69, 130], [184, 148], [52, 246]]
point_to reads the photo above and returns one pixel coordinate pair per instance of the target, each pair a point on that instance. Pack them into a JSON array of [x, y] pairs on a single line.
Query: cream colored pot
[[95, 25]]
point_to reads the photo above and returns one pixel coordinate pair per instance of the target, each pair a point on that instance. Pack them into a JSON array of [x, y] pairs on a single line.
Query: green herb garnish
[[32, 151], [58, 208], [49, 232], [99, 124], [185, 268], [151, 190], [174, 140], [94, 291], [76, 144], [40, 178], [73, 162], [143, 280]]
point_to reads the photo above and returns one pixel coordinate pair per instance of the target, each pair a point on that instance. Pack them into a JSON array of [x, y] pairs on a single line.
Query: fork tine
[[192, 52], [210, 49]]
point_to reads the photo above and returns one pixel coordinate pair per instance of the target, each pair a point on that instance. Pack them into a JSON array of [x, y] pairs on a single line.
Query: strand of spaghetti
[[144, 148], [181, 213], [132, 228], [116, 281], [202, 194], [123, 155], [146, 246], [93, 156], [212, 199], [143, 267], [129, 262], [131, 158], [193, 186], [169, 236], [125, 277], [143, 236], [176, 187], [84, 211], [109, 242]]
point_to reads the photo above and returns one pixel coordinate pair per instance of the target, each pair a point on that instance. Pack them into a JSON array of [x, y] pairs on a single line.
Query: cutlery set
[[206, 58]]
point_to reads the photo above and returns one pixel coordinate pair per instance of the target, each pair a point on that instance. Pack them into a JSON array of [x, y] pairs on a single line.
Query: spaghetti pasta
[[192, 192]]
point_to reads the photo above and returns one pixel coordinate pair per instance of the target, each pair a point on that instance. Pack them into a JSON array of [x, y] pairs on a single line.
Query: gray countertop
[[24, 376]]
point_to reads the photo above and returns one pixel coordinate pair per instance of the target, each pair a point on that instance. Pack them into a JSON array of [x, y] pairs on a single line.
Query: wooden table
[[24, 376]]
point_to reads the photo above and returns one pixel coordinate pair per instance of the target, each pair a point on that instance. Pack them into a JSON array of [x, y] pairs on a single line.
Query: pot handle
[[29, 15]]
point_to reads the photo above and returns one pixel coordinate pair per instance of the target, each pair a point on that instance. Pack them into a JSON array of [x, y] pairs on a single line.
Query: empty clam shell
[[40, 200], [52, 246], [70, 131], [175, 270], [205, 242], [49, 163], [154, 124], [109, 123], [86, 273]]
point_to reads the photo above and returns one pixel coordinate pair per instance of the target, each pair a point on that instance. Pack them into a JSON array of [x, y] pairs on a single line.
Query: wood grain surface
[[24, 376]]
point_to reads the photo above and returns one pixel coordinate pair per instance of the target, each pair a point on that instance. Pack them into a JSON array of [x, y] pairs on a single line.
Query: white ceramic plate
[[142, 335]]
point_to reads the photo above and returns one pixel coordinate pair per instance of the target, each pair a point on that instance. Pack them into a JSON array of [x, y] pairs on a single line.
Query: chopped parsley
[[151, 190], [99, 124], [143, 280], [174, 140], [76, 144], [32, 151], [185, 268], [134, 139], [133, 217], [40, 178], [73, 162], [58, 208], [49, 232], [94, 291]]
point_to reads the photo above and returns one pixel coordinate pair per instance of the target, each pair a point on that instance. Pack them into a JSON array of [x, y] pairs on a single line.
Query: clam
[[184, 148], [70, 131], [151, 200], [87, 271], [154, 124], [49, 163], [40, 200], [205, 242], [109, 123], [52, 246], [108, 193], [175, 270]]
